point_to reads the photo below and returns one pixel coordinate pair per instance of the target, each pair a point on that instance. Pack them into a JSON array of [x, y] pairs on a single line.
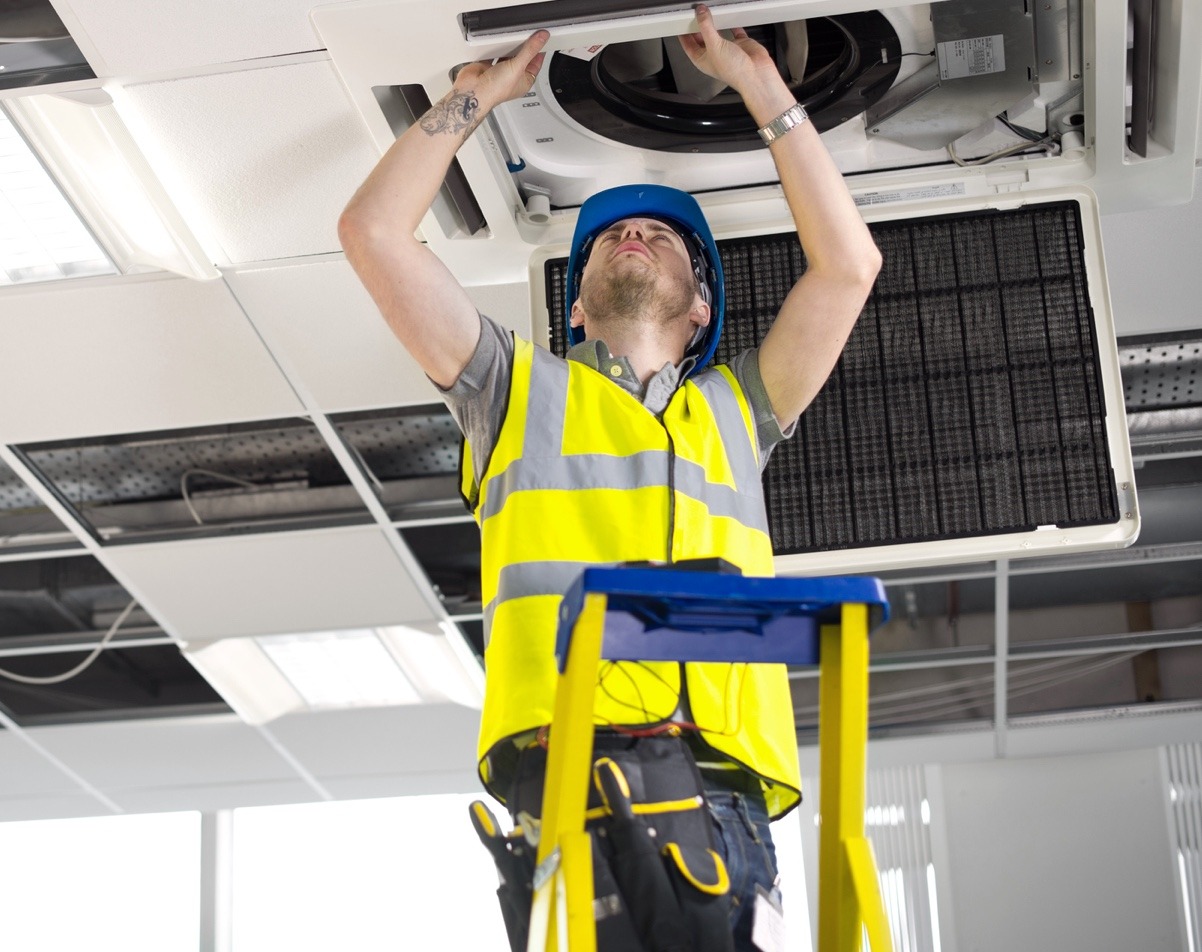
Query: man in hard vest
[[631, 450]]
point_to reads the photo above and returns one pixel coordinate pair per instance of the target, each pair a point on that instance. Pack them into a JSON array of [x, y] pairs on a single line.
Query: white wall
[[1060, 853]]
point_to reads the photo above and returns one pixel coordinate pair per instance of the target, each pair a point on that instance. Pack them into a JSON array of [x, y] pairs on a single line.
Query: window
[[104, 884]]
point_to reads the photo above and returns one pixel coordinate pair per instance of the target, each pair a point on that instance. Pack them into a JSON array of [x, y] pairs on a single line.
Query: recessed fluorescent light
[[267, 676], [440, 665], [41, 236], [334, 669], [85, 144]]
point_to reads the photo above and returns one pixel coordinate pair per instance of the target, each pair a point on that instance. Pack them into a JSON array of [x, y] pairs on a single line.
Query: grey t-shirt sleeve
[[479, 398], [746, 368]]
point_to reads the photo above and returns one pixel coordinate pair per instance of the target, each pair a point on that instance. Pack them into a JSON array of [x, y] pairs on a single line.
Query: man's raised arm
[[818, 314], [422, 301]]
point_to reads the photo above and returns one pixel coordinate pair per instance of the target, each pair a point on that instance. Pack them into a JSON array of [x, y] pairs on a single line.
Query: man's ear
[[577, 314], [699, 314]]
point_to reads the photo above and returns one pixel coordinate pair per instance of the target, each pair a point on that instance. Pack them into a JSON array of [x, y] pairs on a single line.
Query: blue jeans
[[741, 829]]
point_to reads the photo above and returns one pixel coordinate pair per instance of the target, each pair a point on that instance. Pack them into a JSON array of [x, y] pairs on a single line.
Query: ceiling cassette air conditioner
[[977, 411], [973, 98]]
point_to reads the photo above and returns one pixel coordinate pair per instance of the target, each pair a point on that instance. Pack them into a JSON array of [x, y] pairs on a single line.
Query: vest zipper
[[671, 495]]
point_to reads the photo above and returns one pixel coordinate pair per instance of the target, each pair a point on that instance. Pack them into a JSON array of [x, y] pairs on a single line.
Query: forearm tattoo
[[456, 113]]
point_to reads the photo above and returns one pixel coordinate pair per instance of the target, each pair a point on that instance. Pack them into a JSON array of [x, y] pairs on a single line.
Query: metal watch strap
[[791, 118]]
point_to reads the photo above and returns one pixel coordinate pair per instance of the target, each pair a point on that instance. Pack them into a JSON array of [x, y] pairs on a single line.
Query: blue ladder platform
[[664, 614]]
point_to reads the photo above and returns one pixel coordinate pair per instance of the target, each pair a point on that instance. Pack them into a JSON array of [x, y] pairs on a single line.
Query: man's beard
[[631, 296]]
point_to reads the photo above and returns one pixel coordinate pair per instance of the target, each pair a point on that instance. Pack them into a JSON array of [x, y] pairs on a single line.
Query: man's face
[[639, 270]]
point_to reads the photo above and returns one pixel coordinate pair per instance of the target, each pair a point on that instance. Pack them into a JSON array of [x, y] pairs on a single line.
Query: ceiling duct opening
[[647, 93], [26, 525], [35, 47], [411, 457], [910, 87], [209, 481], [54, 614], [449, 554]]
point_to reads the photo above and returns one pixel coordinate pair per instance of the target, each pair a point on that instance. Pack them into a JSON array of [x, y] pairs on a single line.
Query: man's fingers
[[691, 42], [705, 23], [534, 43]]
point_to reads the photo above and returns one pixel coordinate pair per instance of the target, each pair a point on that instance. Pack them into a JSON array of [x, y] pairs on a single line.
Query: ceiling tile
[[379, 742], [1152, 262], [130, 355], [332, 340], [187, 34], [125, 756], [27, 773], [299, 581], [51, 808], [266, 157]]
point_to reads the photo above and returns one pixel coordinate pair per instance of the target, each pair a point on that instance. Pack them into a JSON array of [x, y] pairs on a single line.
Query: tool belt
[[659, 882]]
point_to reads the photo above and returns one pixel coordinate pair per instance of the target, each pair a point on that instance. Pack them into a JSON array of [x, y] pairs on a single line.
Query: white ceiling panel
[[208, 797], [130, 755], [268, 157], [26, 773], [265, 584], [327, 332], [51, 808], [1152, 258], [115, 33], [342, 745], [120, 356]]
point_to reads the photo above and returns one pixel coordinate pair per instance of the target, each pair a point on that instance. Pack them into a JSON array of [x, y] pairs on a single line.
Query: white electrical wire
[[1046, 144], [183, 487], [1020, 687], [83, 665], [1036, 677], [943, 686]]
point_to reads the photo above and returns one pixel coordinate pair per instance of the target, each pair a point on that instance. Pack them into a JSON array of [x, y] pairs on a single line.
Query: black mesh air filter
[[968, 400]]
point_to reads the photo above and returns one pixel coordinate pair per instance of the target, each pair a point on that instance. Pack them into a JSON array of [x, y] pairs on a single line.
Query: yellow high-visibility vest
[[583, 474]]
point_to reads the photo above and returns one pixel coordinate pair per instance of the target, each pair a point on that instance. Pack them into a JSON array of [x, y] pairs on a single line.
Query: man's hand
[[740, 62], [421, 299], [841, 259], [494, 83]]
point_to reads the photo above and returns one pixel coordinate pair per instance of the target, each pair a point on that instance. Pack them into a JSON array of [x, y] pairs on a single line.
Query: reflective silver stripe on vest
[[600, 471], [721, 500], [729, 415], [533, 578], [546, 405], [579, 471]]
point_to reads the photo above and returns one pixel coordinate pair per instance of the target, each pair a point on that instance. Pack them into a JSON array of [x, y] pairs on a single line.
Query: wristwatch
[[791, 118]]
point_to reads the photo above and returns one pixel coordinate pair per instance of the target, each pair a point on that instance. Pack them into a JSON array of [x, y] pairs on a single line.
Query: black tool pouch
[[659, 883], [514, 856]]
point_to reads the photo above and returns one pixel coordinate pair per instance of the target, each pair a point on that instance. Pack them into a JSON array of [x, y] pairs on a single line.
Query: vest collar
[[658, 392]]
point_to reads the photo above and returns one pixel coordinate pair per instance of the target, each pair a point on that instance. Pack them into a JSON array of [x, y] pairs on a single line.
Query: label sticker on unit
[[584, 52], [976, 57], [910, 194]]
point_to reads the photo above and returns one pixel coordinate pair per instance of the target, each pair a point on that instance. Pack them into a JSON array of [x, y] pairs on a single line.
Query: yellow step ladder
[[659, 614]]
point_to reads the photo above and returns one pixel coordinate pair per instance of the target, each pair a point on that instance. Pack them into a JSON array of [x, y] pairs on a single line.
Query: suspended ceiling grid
[[244, 120]]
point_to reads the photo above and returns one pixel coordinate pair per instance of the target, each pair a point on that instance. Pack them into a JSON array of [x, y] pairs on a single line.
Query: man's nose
[[635, 229]]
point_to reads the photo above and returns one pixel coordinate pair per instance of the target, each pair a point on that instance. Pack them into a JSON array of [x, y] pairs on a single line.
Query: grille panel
[[968, 400]]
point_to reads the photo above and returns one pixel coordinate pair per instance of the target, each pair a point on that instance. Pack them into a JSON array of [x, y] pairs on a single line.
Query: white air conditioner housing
[[1113, 90], [1080, 53]]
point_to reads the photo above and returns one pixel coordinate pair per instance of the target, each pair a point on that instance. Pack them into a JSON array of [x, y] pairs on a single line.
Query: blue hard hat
[[674, 207]]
